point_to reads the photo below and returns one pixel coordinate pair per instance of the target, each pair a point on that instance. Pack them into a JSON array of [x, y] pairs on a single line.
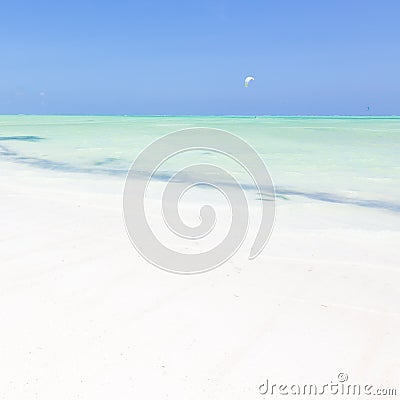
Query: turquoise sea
[[348, 160]]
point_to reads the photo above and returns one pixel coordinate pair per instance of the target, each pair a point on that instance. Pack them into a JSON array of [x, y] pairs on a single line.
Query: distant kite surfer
[[248, 80]]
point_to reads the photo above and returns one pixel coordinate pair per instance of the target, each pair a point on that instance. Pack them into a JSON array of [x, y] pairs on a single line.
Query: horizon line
[[211, 115]]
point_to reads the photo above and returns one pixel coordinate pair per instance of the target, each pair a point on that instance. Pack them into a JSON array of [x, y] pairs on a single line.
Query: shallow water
[[350, 160]]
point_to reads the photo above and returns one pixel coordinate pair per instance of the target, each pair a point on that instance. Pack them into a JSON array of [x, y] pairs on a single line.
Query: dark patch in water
[[333, 198], [281, 193], [22, 138], [109, 160], [164, 176], [6, 152], [55, 165]]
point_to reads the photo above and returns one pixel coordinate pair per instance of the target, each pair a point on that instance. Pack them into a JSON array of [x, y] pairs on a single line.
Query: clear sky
[[190, 57]]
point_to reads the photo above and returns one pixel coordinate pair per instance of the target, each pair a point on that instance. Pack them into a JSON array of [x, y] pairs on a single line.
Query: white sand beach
[[199, 200], [85, 317]]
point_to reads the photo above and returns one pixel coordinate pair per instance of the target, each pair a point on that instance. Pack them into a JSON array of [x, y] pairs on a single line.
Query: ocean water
[[347, 160]]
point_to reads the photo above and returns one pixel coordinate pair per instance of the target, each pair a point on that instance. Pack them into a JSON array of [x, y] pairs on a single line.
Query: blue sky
[[190, 57]]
